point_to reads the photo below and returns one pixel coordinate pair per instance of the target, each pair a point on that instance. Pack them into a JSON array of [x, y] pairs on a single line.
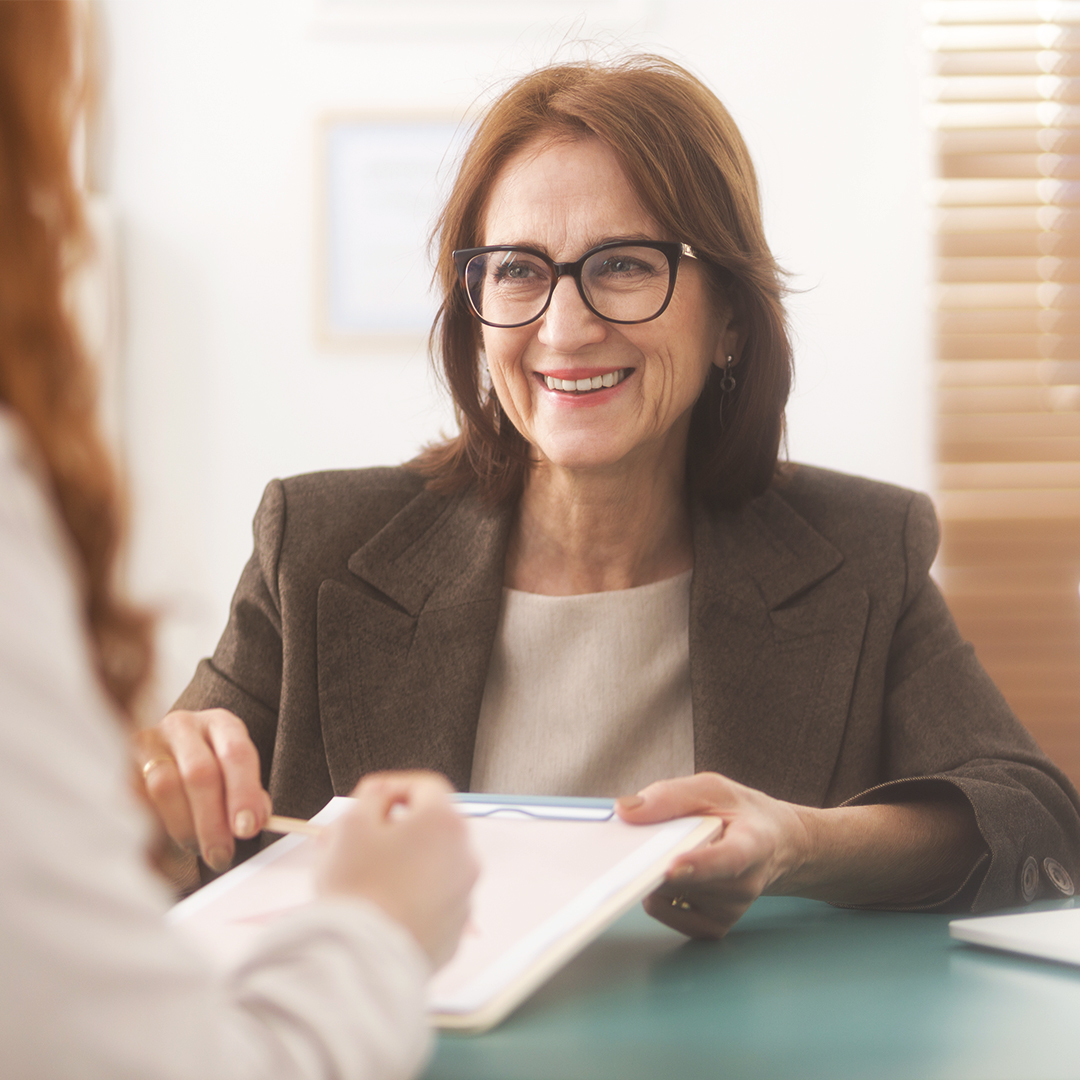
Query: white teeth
[[581, 386]]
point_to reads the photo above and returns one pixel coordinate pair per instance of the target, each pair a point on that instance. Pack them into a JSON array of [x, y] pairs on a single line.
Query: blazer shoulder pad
[[328, 515], [868, 520]]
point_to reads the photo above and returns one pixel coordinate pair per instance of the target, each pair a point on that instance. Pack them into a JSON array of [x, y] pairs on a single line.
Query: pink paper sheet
[[539, 878]]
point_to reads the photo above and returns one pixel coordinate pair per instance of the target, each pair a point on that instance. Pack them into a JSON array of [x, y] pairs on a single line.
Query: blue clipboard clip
[[546, 807]]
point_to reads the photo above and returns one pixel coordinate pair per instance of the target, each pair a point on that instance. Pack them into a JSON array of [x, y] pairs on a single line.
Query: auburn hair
[[45, 377], [688, 164]]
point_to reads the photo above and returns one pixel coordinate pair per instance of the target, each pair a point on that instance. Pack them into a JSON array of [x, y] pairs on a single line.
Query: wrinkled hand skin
[[200, 771], [887, 854], [761, 840]]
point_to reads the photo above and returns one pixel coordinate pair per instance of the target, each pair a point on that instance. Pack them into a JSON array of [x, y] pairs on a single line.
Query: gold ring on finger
[[155, 761], [681, 903]]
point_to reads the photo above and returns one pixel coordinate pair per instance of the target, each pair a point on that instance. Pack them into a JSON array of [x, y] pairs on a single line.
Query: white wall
[[211, 171]]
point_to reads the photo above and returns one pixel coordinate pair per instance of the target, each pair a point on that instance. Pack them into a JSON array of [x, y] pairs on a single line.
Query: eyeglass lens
[[625, 284]]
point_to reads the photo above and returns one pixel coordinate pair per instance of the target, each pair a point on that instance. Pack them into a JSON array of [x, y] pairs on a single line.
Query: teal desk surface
[[798, 989]]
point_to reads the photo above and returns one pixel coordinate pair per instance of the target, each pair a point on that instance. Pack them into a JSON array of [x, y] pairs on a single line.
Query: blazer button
[[1059, 876], [1029, 879]]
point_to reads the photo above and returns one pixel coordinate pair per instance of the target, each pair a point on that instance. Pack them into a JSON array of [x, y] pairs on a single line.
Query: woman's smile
[[585, 382]]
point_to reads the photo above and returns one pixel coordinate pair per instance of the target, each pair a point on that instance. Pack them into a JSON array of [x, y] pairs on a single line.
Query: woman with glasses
[[607, 583], [93, 984]]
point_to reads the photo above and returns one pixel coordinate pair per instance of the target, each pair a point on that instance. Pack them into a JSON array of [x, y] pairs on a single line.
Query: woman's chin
[[587, 457], [570, 459]]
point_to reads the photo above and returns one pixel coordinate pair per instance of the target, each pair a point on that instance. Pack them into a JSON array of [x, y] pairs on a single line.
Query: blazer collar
[[768, 542], [443, 548], [457, 546]]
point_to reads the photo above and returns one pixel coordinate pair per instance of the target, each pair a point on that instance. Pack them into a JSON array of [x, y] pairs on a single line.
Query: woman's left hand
[[763, 840]]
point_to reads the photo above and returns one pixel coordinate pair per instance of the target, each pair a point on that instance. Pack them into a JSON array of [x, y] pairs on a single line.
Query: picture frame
[[382, 180]]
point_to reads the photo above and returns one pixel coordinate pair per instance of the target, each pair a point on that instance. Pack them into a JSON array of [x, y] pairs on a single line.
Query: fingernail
[[218, 859], [681, 872], [244, 824], [630, 802]]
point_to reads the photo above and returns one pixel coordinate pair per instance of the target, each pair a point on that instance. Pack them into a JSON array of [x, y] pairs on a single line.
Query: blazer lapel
[[403, 654], [776, 629]]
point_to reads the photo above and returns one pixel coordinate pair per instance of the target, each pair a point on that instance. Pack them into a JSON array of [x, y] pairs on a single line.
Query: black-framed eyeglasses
[[620, 281]]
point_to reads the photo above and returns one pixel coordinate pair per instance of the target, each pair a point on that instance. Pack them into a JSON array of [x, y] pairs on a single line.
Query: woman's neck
[[581, 532]]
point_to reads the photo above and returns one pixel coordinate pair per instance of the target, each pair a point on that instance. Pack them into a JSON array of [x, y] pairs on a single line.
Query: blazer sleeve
[[244, 674], [946, 722]]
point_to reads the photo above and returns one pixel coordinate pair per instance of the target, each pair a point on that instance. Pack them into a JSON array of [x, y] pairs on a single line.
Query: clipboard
[[555, 873]]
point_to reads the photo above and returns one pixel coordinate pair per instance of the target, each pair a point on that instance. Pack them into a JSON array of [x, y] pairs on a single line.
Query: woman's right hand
[[404, 847], [201, 774]]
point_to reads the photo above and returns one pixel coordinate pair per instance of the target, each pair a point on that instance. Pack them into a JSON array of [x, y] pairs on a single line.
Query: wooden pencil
[[281, 824]]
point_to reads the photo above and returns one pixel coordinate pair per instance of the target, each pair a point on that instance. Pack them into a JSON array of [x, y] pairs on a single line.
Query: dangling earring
[[727, 382]]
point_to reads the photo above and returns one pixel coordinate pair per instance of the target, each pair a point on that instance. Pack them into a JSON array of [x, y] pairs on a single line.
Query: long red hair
[[45, 376]]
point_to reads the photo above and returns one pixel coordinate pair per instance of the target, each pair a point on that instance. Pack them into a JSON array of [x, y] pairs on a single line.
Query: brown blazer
[[823, 660]]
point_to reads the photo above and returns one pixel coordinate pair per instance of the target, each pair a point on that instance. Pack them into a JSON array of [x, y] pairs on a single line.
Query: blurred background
[[264, 173]]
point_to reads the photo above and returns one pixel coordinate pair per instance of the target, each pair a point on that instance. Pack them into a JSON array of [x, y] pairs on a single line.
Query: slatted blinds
[[1006, 112]]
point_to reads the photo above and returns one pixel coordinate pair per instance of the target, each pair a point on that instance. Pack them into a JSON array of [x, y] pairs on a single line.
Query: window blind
[[1005, 109]]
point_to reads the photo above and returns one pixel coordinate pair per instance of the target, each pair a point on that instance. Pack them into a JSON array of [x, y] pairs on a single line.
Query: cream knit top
[[588, 695]]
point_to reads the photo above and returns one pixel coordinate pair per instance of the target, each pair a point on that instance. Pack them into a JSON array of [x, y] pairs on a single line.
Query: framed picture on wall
[[382, 181]]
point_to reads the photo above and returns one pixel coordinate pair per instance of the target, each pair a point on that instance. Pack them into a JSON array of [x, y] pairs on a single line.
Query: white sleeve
[[93, 984]]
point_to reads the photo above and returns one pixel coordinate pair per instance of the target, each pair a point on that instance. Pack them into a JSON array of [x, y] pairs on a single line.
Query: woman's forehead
[[564, 192]]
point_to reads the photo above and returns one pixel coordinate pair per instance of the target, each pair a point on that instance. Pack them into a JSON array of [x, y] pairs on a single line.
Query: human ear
[[729, 330], [728, 345]]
